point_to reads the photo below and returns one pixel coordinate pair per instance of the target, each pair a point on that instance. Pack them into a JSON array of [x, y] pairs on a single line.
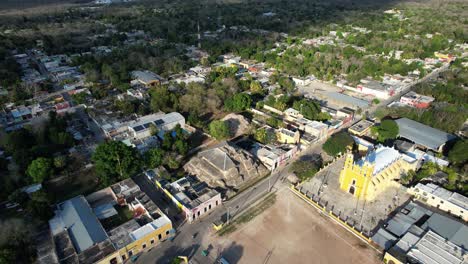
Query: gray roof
[[146, 76], [434, 249], [421, 134], [77, 217], [418, 220], [348, 99], [454, 231]]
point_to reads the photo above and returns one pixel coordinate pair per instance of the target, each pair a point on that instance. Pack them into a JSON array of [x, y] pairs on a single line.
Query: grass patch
[[248, 215]]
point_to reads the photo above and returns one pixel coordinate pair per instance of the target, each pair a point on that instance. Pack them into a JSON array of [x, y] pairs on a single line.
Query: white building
[[141, 128], [302, 81], [272, 156], [445, 200]]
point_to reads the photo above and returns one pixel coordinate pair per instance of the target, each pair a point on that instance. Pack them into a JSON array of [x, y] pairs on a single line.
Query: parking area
[[292, 231], [325, 189]]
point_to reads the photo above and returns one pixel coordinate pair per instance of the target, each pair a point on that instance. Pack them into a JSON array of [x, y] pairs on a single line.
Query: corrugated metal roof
[[348, 99], [421, 134], [81, 223]]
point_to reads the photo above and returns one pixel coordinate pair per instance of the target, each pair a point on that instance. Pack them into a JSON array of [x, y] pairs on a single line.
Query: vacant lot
[[291, 231]]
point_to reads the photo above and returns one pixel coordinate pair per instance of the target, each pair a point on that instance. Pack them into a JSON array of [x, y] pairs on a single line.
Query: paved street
[[185, 245]]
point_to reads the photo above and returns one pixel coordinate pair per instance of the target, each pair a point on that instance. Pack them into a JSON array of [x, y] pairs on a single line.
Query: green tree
[[219, 129], [256, 87], [337, 144], [388, 129], [181, 146], [115, 161], [60, 161], [263, 136], [304, 169], [40, 169], [238, 102], [459, 153], [154, 157], [308, 108]]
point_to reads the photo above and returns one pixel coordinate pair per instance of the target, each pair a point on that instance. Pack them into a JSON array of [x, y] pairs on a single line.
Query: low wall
[[329, 212]]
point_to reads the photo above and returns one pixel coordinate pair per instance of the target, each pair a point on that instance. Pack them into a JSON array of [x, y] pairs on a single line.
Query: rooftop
[[146, 76], [159, 120], [361, 126], [421, 134], [434, 249], [219, 158], [355, 102], [76, 217], [191, 192], [452, 197], [417, 219], [381, 157]]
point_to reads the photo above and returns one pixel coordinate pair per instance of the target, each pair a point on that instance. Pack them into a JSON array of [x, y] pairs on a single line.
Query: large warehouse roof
[[421, 134]]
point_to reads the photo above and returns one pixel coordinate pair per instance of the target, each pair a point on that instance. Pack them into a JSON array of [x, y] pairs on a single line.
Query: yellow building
[[366, 178], [361, 128], [287, 136], [108, 226]]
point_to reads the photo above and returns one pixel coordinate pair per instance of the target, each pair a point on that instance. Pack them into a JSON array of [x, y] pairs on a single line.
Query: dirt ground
[[292, 231]]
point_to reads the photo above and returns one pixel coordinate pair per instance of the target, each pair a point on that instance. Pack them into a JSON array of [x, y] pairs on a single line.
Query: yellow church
[[369, 176]]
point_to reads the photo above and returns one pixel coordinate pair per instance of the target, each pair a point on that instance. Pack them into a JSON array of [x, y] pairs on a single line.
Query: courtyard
[[325, 189], [292, 231]]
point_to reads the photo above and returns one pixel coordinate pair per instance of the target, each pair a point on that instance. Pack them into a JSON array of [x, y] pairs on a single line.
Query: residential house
[[141, 128], [445, 200], [108, 226], [287, 136], [194, 198], [416, 100], [147, 78], [273, 156], [361, 128]]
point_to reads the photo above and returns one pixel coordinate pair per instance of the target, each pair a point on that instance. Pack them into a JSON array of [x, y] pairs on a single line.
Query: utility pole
[[199, 35], [227, 216]]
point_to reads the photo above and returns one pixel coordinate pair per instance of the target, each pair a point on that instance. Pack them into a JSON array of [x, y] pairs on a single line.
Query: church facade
[[381, 168]]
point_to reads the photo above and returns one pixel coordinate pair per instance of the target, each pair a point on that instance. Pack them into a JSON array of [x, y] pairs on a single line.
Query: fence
[[336, 217]]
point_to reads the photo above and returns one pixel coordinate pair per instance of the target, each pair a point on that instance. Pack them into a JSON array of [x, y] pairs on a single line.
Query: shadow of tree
[[232, 253]]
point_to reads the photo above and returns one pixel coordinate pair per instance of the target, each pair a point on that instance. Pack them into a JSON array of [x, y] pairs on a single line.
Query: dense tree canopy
[[115, 161], [459, 153], [40, 169], [304, 169], [238, 102], [388, 129], [337, 144]]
